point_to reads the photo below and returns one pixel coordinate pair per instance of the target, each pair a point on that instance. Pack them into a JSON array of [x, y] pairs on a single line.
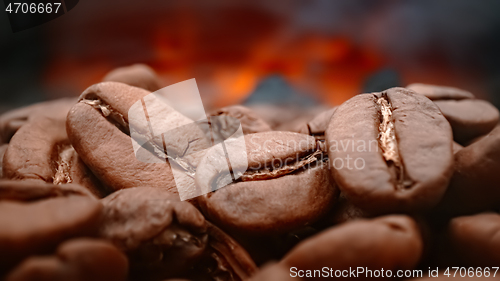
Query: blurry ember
[[231, 47]]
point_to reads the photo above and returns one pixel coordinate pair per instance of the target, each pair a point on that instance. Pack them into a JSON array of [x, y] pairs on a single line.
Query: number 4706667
[[471, 272], [33, 8]]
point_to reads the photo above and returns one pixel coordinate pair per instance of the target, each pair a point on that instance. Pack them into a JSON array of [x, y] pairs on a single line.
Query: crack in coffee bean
[[107, 111], [275, 172], [388, 142], [317, 157], [63, 174]]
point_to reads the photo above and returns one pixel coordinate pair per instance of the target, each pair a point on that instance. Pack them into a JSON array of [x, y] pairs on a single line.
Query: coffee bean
[[33, 150], [403, 146], [165, 237], [286, 171], [249, 120], [474, 239], [38, 226], [469, 118], [389, 242], [434, 92], [40, 149], [79, 260], [137, 75], [473, 186], [99, 131], [162, 236]]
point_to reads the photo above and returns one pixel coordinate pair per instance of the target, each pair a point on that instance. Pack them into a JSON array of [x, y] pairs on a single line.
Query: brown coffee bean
[[40, 150], [390, 242], [285, 187], [13, 120], [250, 121], [98, 130], [474, 239], [434, 92], [162, 236], [401, 150], [32, 149], [317, 126], [473, 186], [137, 75], [469, 118], [79, 260], [38, 226]]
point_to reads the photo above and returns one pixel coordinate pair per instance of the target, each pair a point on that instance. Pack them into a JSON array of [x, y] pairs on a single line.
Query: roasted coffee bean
[[317, 126], [473, 239], [31, 190], [401, 150], [78, 260], [390, 242], [162, 236], [474, 185], [40, 149], [99, 131], [434, 92], [33, 148], [286, 185], [38, 226], [137, 75], [469, 118], [250, 121], [12, 120]]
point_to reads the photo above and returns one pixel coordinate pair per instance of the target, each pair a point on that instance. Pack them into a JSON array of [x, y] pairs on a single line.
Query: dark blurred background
[[281, 51]]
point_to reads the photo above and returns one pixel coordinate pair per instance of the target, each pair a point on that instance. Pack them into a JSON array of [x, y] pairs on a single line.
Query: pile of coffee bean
[[400, 180]]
